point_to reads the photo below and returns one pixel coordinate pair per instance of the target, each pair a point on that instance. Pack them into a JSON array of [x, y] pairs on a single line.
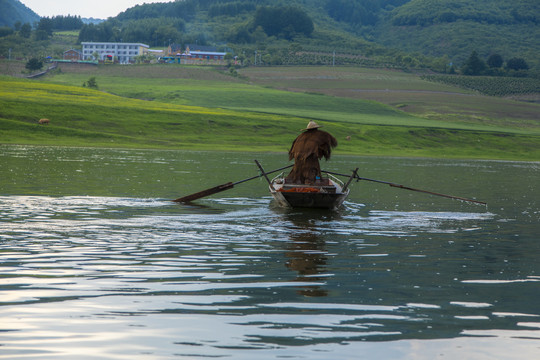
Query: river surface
[[97, 263]]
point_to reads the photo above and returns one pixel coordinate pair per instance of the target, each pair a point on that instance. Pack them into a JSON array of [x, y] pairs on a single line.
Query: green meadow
[[411, 93], [263, 109]]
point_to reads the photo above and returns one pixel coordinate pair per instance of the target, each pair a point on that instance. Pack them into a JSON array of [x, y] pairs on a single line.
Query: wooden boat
[[326, 193]]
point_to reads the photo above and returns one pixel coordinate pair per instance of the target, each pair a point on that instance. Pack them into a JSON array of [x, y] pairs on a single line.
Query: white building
[[122, 52]]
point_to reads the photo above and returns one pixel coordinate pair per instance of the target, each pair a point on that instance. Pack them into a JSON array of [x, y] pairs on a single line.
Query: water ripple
[[145, 272]]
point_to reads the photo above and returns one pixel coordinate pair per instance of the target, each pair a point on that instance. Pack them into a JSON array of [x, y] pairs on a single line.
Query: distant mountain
[[447, 29], [13, 11], [92, 21], [396, 31]]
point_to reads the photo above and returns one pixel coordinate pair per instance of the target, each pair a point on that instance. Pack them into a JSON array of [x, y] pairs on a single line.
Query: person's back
[[306, 150]]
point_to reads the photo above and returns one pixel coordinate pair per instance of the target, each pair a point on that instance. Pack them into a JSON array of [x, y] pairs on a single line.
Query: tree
[[164, 32], [495, 61], [5, 31], [284, 22], [26, 30], [259, 36], [359, 12], [101, 32], [238, 34], [474, 65], [91, 83], [41, 35], [144, 58], [66, 22], [45, 24], [229, 58], [517, 64], [34, 64]]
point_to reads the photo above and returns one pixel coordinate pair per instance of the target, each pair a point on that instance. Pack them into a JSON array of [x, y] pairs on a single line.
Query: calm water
[[96, 263]]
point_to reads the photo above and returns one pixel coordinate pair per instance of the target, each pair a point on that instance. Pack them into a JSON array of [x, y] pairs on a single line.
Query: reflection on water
[[306, 253], [118, 277]]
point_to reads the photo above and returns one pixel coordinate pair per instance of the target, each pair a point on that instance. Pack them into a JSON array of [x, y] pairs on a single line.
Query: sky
[[99, 9]]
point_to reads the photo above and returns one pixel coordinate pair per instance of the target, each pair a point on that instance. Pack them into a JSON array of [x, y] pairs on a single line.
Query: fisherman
[[306, 150]]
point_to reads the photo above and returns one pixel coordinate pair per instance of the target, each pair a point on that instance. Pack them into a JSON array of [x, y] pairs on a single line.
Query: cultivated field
[[407, 92]]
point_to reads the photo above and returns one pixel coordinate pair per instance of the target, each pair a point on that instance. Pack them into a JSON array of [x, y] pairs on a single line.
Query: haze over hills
[[446, 29]]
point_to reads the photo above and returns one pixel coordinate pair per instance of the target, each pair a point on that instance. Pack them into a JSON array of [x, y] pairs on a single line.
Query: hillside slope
[[456, 28], [13, 11], [406, 33], [449, 29]]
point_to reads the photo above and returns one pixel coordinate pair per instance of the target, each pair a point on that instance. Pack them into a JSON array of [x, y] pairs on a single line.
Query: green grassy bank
[[190, 108]]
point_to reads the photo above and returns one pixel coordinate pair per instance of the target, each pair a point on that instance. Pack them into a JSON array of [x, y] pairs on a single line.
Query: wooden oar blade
[[206, 192], [224, 187]]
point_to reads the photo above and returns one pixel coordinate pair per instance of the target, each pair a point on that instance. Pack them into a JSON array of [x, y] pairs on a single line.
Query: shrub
[[34, 64], [517, 64], [91, 83]]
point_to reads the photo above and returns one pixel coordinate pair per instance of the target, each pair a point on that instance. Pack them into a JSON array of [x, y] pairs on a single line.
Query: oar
[[412, 189], [223, 187]]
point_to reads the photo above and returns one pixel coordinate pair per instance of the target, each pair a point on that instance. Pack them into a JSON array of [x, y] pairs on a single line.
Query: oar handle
[[412, 189], [263, 173], [438, 194], [206, 192]]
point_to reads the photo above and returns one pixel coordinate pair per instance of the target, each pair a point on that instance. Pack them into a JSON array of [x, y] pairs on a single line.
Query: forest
[[429, 12], [439, 35]]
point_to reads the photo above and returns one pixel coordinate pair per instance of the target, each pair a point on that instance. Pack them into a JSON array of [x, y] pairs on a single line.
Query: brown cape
[[306, 150]]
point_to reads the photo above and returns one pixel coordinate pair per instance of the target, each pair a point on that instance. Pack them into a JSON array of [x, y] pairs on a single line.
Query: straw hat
[[312, 125]]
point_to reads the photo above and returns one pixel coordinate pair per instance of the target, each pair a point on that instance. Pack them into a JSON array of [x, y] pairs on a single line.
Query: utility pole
[[9, 60]]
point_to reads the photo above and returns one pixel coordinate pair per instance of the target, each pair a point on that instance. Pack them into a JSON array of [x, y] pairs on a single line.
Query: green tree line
[[152, 31], [140, 25], [474, 65]]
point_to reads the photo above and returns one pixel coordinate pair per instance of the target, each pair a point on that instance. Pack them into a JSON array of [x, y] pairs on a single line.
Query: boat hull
[[329, 196]]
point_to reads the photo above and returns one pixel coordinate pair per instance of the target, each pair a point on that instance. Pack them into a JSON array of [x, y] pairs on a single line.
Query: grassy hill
[[167, 106], [85, 117]]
